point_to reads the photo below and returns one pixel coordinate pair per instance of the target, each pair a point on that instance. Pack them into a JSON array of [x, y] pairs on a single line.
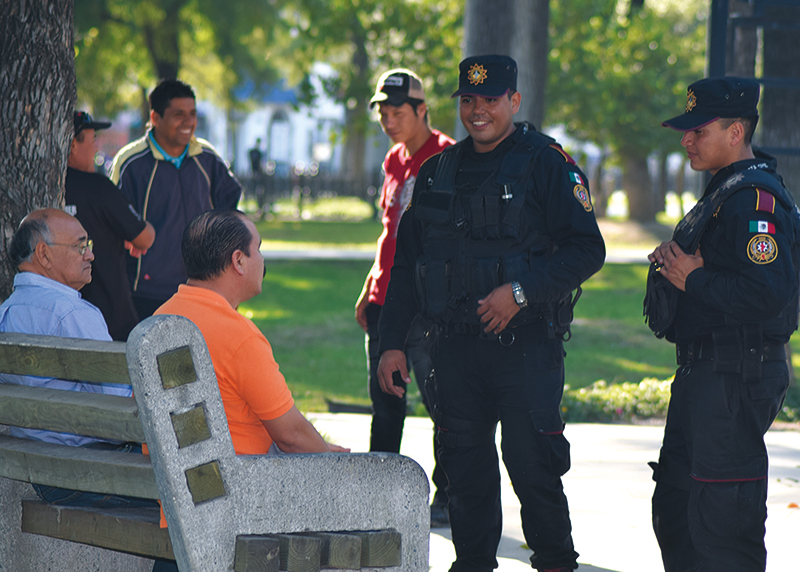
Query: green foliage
[[361, 39], [624, 402], [122, 48], [614, 76]]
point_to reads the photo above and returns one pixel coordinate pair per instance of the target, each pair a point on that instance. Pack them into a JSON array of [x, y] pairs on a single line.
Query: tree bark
[[37, 99], [529, 48], [781, 105], [638, 187], [742, 42], [517, 28]]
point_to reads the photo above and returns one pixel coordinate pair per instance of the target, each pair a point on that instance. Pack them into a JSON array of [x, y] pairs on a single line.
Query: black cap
[[83, 120], [397, 86], [486, 76], [713, 98]]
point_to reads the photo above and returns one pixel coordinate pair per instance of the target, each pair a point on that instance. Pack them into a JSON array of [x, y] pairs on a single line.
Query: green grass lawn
[[306, 312]]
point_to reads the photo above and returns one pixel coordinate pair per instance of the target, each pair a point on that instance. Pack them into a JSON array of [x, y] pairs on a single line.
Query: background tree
[[780, 121], [37, 96], [361, 39], [616, 74], [518, 28], [123, 48]]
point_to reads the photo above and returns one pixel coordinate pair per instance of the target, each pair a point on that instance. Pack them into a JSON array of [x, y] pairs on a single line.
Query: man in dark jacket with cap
[[111, 222], [725, 290], [499, 233]]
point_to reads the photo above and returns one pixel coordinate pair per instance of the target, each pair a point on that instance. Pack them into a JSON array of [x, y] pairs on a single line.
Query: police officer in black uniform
[[725, 290], [499, 232]]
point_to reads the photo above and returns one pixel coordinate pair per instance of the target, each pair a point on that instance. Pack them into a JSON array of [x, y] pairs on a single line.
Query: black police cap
[[713, 98], [486, 76]]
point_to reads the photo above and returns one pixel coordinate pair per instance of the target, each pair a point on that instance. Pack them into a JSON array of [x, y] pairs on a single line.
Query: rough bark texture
[[742, 42], [529, 48], [517, 28], [780, 118], [635, 175], [37, 97]]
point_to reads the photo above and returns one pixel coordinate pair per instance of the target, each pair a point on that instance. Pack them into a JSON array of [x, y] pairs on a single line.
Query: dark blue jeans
[[66, 497]]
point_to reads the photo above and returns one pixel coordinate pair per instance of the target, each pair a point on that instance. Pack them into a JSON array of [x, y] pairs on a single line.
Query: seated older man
[[54, 256]]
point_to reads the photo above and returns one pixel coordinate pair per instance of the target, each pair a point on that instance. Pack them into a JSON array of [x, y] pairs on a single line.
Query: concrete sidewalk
[[608, 487]]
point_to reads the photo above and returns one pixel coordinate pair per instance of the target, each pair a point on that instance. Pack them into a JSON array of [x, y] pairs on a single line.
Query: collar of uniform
[[761, 162]]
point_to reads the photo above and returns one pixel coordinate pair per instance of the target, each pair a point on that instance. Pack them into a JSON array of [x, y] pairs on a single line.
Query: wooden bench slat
[[299, 553], [135, 531], [94, 414], [64, 358], [340, 550], [380, 548], [77, 468], [255, 553]]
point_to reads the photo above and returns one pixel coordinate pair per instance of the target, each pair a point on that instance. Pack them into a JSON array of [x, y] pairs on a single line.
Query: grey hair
[[29, 234]]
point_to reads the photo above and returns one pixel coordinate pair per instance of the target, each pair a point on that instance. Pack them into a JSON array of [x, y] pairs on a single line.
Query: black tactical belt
[[704, 351]]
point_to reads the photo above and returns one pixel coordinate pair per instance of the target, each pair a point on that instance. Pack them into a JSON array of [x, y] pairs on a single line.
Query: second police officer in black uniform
[[499, 233], [725, 290]]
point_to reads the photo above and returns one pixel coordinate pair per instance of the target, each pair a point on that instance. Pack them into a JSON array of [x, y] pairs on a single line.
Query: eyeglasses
[[82, 247]]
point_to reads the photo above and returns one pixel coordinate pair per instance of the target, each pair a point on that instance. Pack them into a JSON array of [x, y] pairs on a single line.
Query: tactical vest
[[475, 243], [661, 298]]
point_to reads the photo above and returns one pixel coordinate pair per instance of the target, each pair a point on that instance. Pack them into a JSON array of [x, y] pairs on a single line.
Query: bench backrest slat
[[93, 414], [64, 358], [77, 468]]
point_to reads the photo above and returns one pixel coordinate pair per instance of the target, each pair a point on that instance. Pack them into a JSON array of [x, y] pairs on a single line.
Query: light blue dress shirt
[[43, 306]]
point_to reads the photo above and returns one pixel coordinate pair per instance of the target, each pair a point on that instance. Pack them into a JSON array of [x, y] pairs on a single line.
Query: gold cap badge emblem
[[476, 74], [691, 101]]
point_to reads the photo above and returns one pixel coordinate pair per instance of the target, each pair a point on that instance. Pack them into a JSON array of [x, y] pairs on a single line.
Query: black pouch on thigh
[[544, 387]]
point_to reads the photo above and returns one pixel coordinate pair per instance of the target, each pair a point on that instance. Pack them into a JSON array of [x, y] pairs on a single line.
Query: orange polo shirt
[[251, 385]]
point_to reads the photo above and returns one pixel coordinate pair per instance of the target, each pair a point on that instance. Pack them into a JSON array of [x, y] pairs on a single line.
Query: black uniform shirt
[[558, 206], [748, 275], [110, 220]]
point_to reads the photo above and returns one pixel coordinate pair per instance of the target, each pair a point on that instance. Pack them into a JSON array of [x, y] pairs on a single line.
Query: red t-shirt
[[398, 186]]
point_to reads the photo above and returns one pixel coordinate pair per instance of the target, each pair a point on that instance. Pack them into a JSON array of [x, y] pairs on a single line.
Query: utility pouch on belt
[[559, 324], [753, 353], [727, 351]]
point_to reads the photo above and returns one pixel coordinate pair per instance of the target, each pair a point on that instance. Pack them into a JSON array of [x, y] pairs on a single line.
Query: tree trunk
[[742, 42], [781, 105], [663, 172], [356, 113], [163, 42], [529, 48], [598, 190], [37, 98], [638, 187]]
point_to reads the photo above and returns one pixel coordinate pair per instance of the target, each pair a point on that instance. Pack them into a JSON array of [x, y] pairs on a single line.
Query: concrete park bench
[[225, 512]]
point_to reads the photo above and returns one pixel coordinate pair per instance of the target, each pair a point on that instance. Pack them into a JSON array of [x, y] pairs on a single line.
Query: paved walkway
[[609, 490], [617, 256]]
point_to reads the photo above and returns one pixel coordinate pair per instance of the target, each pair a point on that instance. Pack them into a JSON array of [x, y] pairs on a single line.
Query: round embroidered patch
[[762, 249], [582, 195]]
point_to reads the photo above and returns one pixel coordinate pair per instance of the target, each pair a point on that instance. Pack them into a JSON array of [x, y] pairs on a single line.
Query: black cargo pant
[[709, 504], [517, 380]]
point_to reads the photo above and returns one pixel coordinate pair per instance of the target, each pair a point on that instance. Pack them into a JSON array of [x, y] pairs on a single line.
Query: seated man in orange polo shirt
[[221, 252]]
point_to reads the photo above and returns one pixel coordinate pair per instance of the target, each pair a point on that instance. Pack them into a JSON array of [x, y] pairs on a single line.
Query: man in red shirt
[[404, 118]]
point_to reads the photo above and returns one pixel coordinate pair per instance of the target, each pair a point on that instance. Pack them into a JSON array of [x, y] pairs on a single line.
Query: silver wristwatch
[[519, 295]]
